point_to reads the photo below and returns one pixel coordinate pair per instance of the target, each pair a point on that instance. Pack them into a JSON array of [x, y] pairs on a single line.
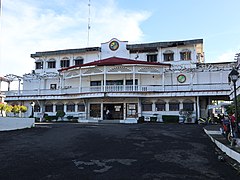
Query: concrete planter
[[13, 123]]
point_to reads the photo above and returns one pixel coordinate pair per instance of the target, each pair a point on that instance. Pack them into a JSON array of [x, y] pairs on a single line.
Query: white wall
[[13, 123]]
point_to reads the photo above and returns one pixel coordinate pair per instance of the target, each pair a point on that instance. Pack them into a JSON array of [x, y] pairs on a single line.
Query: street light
[[233, 76], [32, 104]]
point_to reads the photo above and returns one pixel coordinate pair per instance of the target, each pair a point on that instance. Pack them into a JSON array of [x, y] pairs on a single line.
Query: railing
[[122, 88]]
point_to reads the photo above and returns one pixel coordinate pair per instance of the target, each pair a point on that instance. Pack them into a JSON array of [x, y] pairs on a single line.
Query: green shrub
[[153, 119], [60, 114], [23, 108], [69, 117], [141, 119], [50, 118], [170, 118]]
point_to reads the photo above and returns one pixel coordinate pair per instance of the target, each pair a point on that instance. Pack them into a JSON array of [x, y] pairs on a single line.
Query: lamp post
[[233, 76], [32, 104]]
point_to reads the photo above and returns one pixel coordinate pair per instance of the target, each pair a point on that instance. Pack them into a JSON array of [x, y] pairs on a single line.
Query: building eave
[[65, 51]]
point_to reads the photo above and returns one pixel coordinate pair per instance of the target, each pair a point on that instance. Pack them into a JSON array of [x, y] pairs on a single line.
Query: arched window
[[65, 62], [36, 108], [48, 107], [146, 106], [160, 106], [174, 106], [78, 61], [81, 108], [59, 107], [188, 105], [168, 55], [51, 63], [185, 54], [70, 107], [39, 64]]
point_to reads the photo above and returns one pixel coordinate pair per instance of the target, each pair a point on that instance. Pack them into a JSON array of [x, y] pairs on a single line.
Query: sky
[[30, 26]]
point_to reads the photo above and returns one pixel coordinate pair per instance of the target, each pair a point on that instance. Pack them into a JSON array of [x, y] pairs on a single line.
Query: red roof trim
[[114, 61]]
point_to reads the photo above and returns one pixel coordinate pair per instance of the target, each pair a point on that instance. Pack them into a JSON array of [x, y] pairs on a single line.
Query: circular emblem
[[181, 78], [114, 45]]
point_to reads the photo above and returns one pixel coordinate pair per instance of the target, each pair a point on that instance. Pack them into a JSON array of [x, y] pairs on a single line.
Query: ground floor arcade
[[122, 109]]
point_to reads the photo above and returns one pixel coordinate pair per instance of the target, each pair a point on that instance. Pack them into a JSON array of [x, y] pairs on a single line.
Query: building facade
[[122, 82]]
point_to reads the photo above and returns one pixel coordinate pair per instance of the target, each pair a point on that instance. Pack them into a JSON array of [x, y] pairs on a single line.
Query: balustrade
[[122, 88]]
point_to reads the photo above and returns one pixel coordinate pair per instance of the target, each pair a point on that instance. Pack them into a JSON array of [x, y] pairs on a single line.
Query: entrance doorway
[[112, 111]]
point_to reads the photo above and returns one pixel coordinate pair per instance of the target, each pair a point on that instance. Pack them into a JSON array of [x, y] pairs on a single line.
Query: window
[[147, 106], [39, 65], [36, 108], [130, 82], [174, 106], [78, 61], [81, 108], [132, 110], [70, 107], [53, 86], [95, 110], [59, 107], [48, 108], [152, 57], [95, 83], [51, 64], [188, 106], [160, 106], [168, 55], [65, 62], [114, 82], [185, 54]]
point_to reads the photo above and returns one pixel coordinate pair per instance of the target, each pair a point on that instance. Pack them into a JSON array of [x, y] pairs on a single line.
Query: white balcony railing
[[122, 88]]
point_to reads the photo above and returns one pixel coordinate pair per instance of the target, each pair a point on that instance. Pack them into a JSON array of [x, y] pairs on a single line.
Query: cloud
[[227, 56], [31, 25]]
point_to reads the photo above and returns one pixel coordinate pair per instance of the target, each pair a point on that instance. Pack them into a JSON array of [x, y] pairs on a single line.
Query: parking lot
[[111, 151]]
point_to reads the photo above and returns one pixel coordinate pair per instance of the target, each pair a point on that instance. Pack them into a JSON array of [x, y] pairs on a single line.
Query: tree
[[8, 108], [230, 109], [60, 114], [16, 109], [2, 106]]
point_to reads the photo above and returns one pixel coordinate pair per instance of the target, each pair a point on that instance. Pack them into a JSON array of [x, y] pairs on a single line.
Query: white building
[[2, 95], [128, 80]]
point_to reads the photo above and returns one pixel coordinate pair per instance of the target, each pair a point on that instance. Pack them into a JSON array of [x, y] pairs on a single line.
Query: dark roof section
[[65, 51], [146, 47], [115, 61]]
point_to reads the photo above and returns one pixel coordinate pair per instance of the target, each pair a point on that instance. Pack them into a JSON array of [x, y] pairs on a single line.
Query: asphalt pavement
[[111, 151]]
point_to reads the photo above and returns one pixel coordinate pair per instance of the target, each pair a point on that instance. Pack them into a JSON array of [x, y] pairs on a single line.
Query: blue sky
[[28, 26]]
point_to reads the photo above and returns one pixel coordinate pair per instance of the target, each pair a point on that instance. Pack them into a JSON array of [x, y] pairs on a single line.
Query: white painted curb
[[231, 153]]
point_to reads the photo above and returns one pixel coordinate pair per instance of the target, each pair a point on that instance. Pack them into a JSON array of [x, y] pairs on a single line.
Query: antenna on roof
[[89, 12]]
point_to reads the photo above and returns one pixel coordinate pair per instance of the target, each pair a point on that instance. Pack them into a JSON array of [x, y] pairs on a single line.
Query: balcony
[[123, 88]]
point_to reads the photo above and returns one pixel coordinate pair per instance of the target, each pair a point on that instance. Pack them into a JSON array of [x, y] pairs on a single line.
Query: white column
[[167, 106], [153, 106], [163, 81], [124, 110], [139, 107], [104, 79], [181, 105], [102, 110], [76, 108], [198, 107], [54, 107], [80, 80], [64, 108], [134, 76]]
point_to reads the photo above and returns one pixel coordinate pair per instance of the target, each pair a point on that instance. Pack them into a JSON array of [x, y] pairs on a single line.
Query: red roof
[[114, 61]]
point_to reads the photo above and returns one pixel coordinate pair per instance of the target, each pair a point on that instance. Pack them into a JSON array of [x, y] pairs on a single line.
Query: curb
[[231, 153]]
